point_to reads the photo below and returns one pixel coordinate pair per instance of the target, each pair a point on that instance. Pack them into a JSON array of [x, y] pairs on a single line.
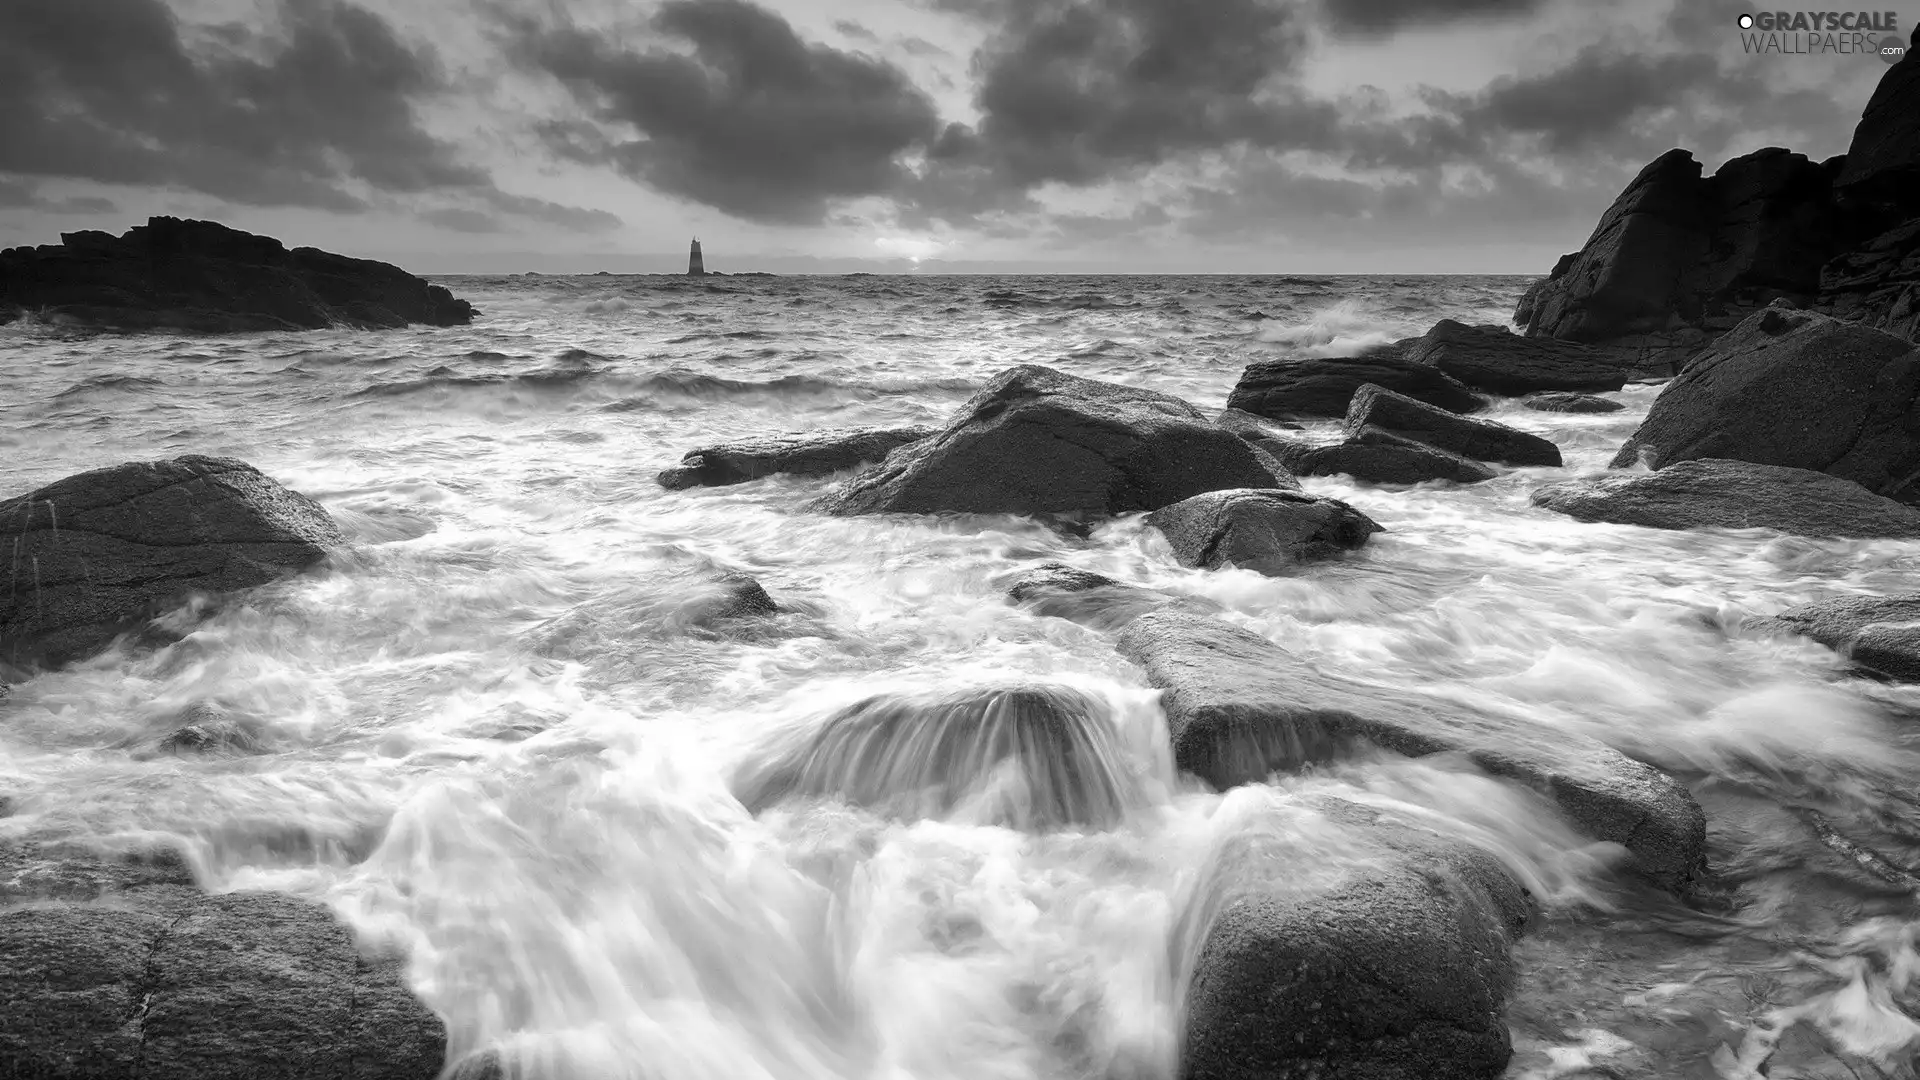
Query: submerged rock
[[1036, 441], [1334, 939], [1265, 531], [1878, 633], [1550, 401], [1797, 389], [1716, 494], [202, 277], [1373, 456], [1240, 708], [1308, 388], [813, 453], [1498, 361], [208, 727], [98, 553], [633, 616], [1058, 591], [1467, 436]]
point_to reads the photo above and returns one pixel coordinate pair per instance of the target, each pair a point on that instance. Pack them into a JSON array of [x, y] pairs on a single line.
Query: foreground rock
[[1483, 440], [1058, 591], [98, 553], [814, 453], [1036, 441], [1547, 401], [1717, 494], [1498, 361], [130, 973], [1269, 532], [1798, 389], [1240, 708], [1878, 633], [1373, 456], [1334, 940], [1309, 388], [202, 277]]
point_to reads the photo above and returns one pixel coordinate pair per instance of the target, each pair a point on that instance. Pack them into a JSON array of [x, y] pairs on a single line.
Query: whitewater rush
[[1873, 33]]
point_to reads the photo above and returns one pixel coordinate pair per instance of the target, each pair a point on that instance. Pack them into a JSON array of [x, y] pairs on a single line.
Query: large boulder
[[812, 453], [202, 277], [1715, 494], [1499, 361], [1038, 441], [1373, 456], [1484, 440], [1797, 389], [1334, 939], [1883, 160], [100, 552], [1550, 401], [1267, 531], [1304, 388], [1878, 633], [1240, 707]]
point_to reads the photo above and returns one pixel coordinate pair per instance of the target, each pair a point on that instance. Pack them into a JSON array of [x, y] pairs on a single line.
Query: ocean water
[[500, 734]]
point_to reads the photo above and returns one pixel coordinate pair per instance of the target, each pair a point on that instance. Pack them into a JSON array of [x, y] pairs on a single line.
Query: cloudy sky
[[1294, 136]]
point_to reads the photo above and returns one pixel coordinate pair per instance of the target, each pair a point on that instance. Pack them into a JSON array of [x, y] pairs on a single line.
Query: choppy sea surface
[[497, 733]]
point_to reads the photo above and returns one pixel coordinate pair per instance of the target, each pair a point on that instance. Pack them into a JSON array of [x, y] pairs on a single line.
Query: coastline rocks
[[1265, 531], [1877, 283], [1797, 389], [1878, 633], [1498, 361], [1716, 494], [97, 553], [1037, 441], [1309, 388], [1551, 401], [1373, 456], [1883, 160], [202, 277], [1334, 939], [1240, 708], [1055, 590], [813, 453], [1483, 440]]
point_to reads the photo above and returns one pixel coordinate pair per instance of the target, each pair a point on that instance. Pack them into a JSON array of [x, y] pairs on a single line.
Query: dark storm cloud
[[1594, 97], [20, 195], [747, 118], [1378, 17]]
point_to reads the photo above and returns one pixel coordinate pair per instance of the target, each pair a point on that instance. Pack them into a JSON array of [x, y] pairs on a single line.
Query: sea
[[498, 734]]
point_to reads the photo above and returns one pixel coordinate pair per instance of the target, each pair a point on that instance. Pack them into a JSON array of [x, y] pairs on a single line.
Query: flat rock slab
[[98, 553], [1373, 456], [1307, 388], [1336, 940], [1240, 707], [1558, 402], [1797, 389], [1716, 494], [1482, 440], [1270, 532], [1037, 441], [812, 453], [1878, 633], [1054, 590], [1498, 361]]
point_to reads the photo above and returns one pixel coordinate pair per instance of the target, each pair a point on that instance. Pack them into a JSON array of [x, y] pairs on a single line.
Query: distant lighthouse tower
[[695, 265]]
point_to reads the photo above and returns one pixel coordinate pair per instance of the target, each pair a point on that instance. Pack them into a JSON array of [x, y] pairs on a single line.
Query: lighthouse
[[695, 266]]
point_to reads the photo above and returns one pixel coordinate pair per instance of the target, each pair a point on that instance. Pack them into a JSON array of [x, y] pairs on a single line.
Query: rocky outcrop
[[129, 972], [202, 277], [1334, 939], [1883, 161], [1240, 707], [1037, 441], [98, 553], [1550, 401], [1877, 282], [1878, 633], [1796, 389], [812, 453], [1054, 590], [1483, 440], [1373, 456], [1715, 494], [1305, 388], [1496, 360], [1270, 532]]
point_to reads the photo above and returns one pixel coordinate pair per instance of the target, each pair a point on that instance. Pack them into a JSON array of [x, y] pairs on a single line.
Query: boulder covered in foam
[[1270, 532], [811, 453]]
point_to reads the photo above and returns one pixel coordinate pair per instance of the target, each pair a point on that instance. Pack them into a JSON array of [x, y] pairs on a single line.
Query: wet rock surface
[[1270, 532], [1322, 388], [1878, 633], [1719, 494], [812, 453], [1373, 456], [1467, 436], [1496, 360], [1551, 401]]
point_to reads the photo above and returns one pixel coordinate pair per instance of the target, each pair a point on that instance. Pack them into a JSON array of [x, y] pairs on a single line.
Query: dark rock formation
[[1373, 456], [1337, 940], [1266, 531], [1240, 708], [1308, 388], [1057, 591], [1549, 401], [1883, 162], [813, 453], [1798, 389], [1878, 633], [137, 975], [1483, 440], [1877, 282], [1711, 493], [98, 553], [1036, 441], [202, 277], [1498, 361]]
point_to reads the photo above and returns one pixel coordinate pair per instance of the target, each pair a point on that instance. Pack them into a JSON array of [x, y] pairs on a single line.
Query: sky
[[1102, 136]]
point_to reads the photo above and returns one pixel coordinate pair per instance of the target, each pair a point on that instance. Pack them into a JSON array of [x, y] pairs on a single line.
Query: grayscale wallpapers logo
[[1847, 33]]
